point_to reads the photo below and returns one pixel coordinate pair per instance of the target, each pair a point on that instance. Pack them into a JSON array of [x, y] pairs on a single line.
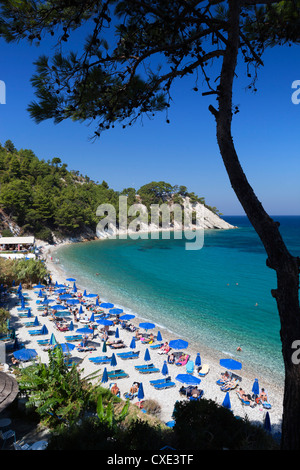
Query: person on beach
[[171, 358], [263, 395], [164, 349], [115, 389], [242, 394], [134, 388]]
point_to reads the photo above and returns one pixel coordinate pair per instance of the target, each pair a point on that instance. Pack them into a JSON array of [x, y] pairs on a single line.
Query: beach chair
[[204, 370], [182, 363], [243, 401], [115, 375], [129, 396], [144, 366], [5, 435], [190, 367], [35, 332], [156, 346], [130, 356], [100, 360], [149, 370], [164, 385], [228, 386], [43, 342], [198, 397], [160, 381], [73, 338]]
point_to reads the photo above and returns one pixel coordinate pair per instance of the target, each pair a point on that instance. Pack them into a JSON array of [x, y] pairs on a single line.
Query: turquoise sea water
[[218, 296]]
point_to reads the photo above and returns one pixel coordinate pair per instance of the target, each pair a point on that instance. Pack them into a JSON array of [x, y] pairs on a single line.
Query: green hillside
[[45, 198]]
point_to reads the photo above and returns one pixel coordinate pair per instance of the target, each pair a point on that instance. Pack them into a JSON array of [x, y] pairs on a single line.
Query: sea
[[218, 296]]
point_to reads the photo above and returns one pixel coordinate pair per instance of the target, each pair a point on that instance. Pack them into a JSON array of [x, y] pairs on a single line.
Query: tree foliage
[[44, 197]]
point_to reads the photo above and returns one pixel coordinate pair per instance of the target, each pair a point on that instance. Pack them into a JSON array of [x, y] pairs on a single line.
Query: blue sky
[[184, 152]]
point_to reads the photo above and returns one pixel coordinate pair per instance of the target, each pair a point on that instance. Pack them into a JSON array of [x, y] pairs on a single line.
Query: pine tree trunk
[[279, 258]]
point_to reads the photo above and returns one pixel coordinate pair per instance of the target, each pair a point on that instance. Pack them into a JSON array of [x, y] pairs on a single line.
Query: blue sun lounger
[[156, 346], [73, 338], [43, 342], [117, 374], [35, 332], [144, 366], [164, 385], [148, 370], [129, 355], [100, 359], [160, 381]]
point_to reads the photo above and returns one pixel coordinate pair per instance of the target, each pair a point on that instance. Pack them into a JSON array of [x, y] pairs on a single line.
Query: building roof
[[16, 240]]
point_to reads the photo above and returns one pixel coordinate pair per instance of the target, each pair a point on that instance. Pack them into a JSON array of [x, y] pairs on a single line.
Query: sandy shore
[[167, 397]]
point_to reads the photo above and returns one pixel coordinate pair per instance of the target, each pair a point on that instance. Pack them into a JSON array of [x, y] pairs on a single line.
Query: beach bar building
[[17, 247]]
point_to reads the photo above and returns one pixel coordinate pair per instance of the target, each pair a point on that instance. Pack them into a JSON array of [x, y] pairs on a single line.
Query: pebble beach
[[165, 397]]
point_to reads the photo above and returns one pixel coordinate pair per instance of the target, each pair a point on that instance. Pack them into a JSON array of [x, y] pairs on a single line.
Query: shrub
[[152, 407], [205, 425]]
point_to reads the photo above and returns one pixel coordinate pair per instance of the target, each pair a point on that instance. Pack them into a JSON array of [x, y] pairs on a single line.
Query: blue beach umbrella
[[91, 295], [71, 279], [188, 379], [58, 307], [25, 354], [140, 394], [36, 321], [198, 360], [29, 313], [115, 311], [255, 387], [22, 302], [104, 321], [106, 305], [39, 286], [66, 296], [74, 288], [226, 402], [104, 349], [230, 364], [52, 340], [40, 294], [159, 336], [80, 309], [113, 361], [84, 293], [97, 302], [86, 331], [92, 317], [117, 333], [165, 370], [44, 330], [127, 316], [178, 344], [147, 325], [132, 344], [73, 301], [104, 376], [71, 326], [147, 355], [66, 347], [62, 314], [267, 423], [60, 291]]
